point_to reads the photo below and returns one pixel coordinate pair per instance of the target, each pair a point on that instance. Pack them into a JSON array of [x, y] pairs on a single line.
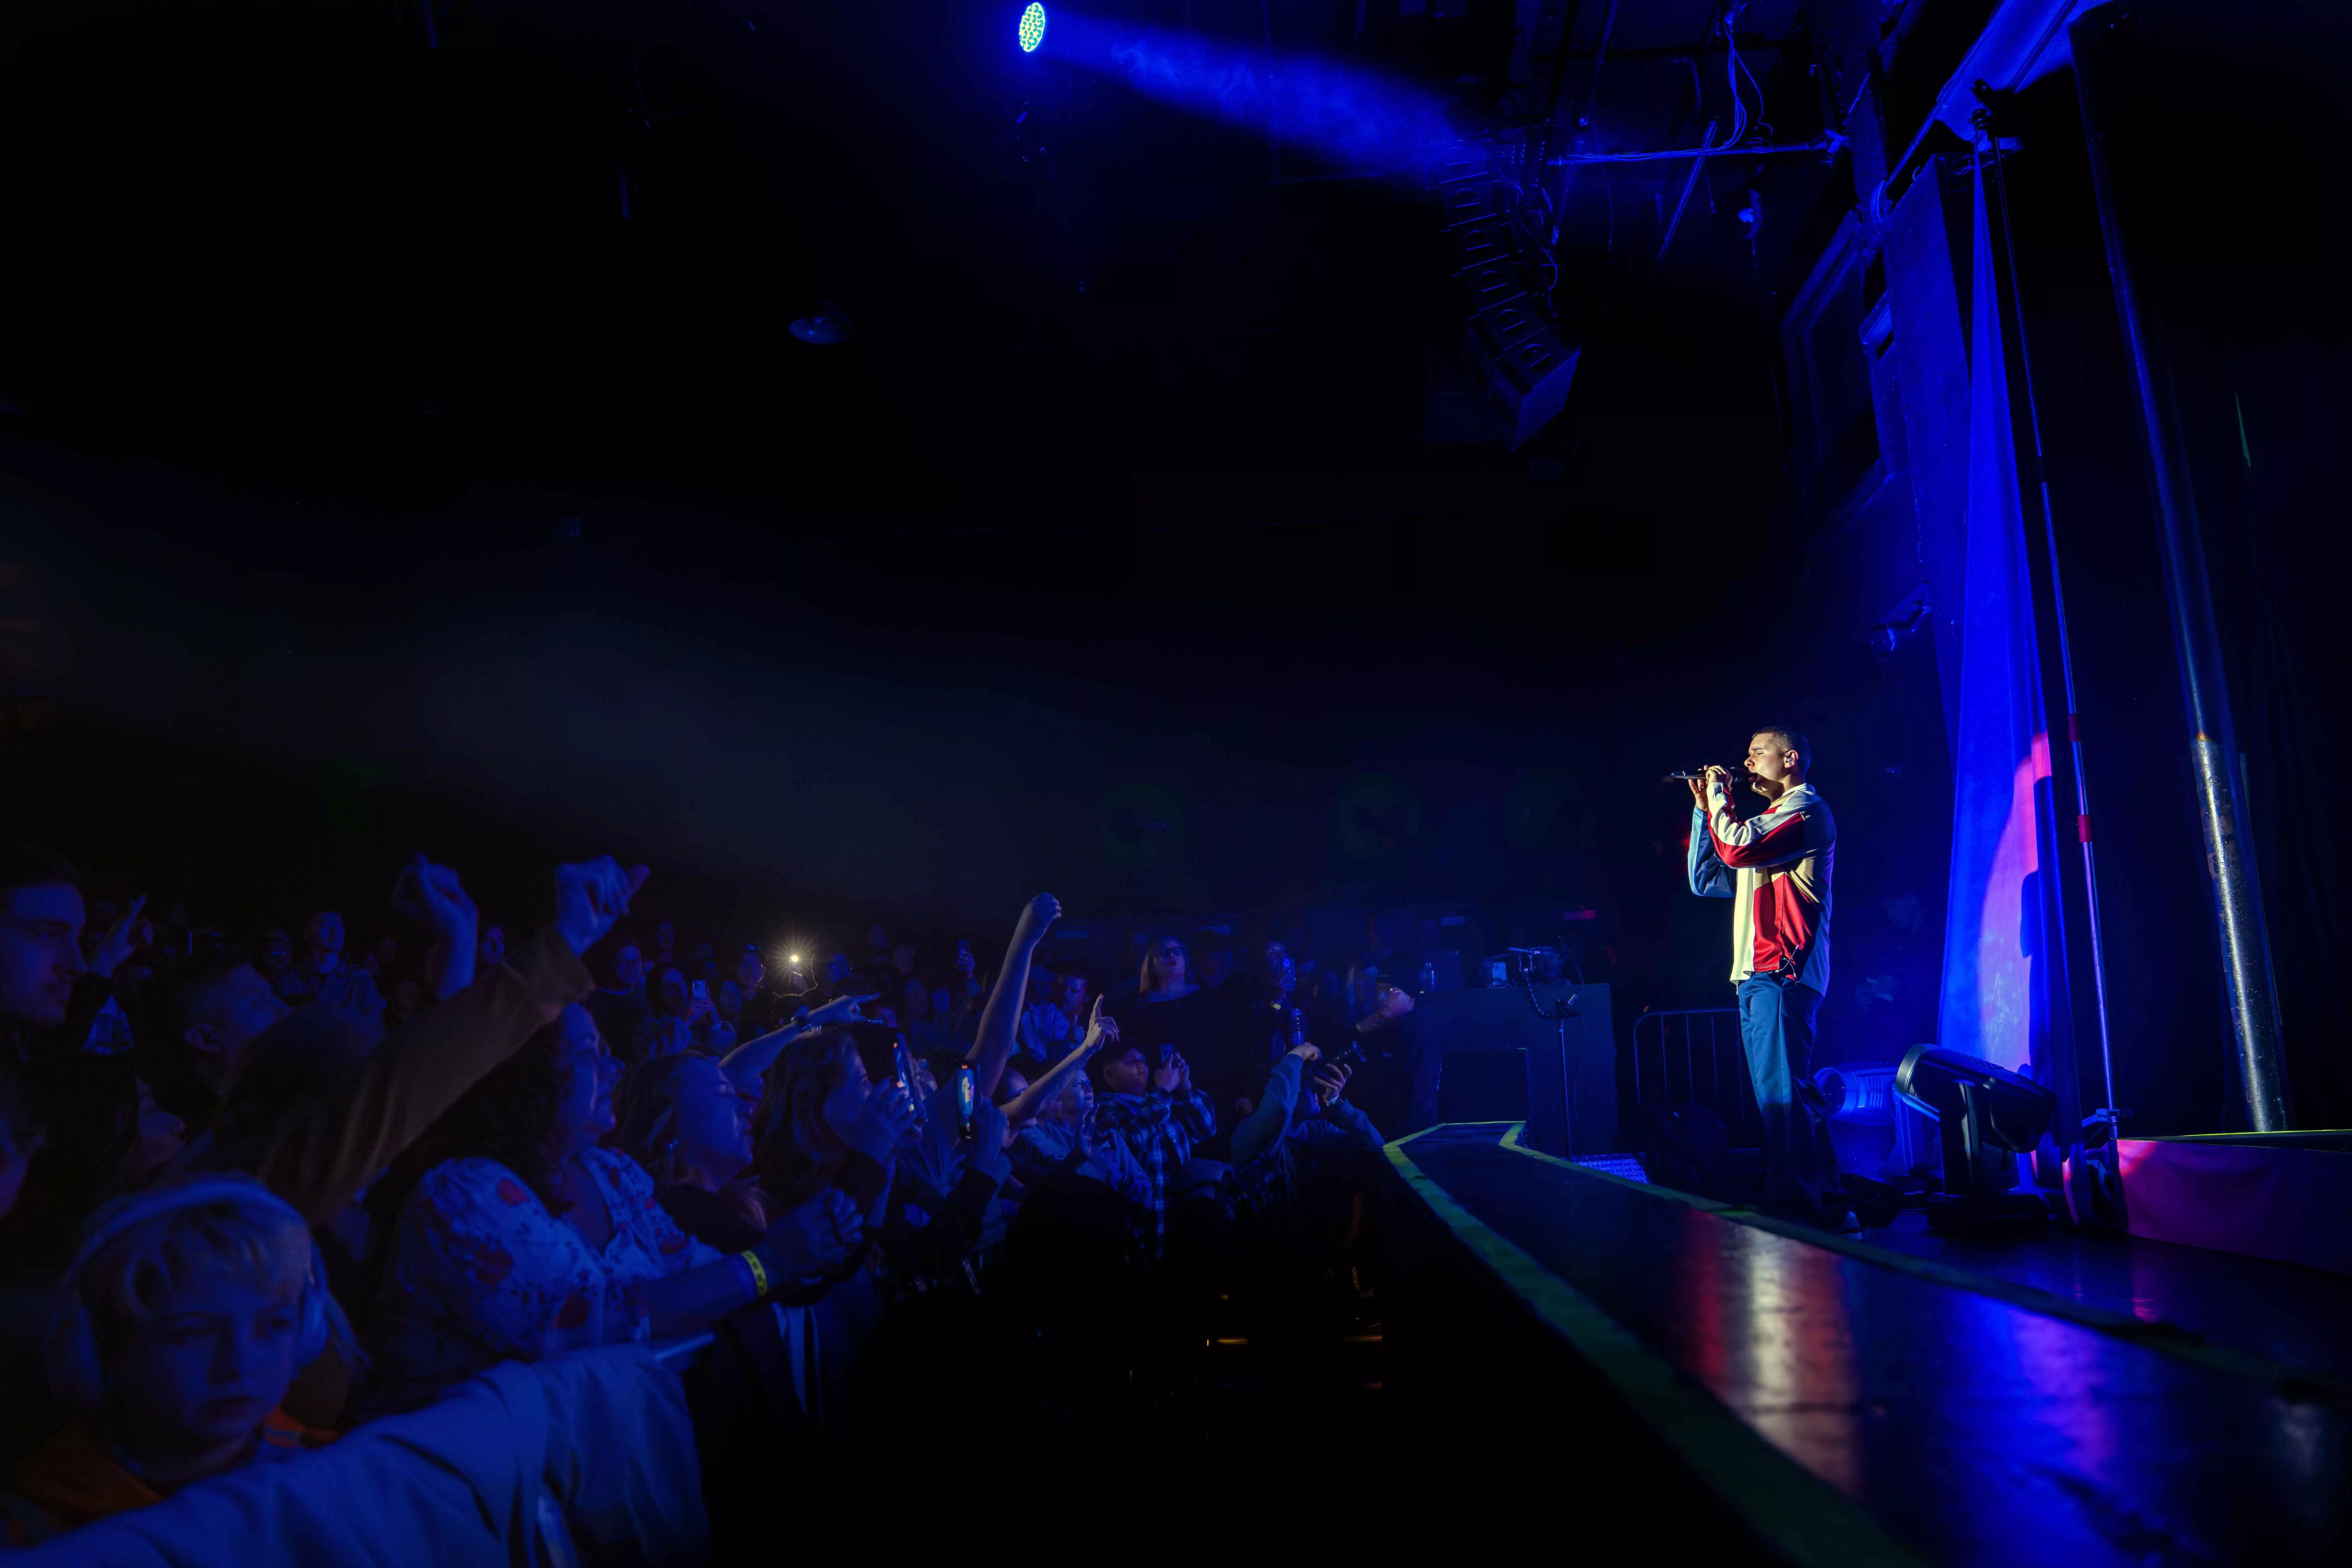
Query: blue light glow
[[1362, 120], [1033, 28]]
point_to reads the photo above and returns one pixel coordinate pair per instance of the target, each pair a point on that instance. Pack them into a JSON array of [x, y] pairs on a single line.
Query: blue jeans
[[1776, 1027]]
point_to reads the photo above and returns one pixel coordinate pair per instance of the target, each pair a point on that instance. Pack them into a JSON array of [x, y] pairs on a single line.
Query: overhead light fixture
[[1987, 1116], [1032, 27]]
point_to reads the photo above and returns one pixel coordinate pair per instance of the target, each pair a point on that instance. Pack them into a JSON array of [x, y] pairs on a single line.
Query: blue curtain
[[2003, 964]]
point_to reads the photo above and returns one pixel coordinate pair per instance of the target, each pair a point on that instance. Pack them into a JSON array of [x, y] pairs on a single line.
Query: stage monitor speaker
[[1498, 1020]]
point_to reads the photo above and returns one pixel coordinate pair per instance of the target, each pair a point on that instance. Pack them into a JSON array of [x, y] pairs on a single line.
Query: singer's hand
[[1698, 791]]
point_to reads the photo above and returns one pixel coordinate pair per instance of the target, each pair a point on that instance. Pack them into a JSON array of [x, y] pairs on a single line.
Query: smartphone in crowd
[[702, 990], [905, 1062], [967, 1095]]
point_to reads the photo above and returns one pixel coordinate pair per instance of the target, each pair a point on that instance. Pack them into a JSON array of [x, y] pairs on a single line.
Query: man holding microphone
[[1776, 871]]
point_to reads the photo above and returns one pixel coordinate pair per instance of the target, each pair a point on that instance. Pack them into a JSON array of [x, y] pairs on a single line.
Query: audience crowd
[[928, 1227]]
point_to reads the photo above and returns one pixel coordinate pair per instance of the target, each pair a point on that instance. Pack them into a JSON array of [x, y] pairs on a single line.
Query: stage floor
[[1904, 1397]]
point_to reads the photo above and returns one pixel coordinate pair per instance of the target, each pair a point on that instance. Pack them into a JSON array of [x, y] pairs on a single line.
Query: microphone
[[1686, 774]]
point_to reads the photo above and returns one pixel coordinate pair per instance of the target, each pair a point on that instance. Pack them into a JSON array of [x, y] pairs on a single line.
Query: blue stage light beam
[[1032, 27], [1361, 120]]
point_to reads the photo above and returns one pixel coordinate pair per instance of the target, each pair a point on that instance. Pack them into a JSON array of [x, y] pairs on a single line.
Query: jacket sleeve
[[1756, 843], [1709, 877], [1192, 1113], [322, 1151], [1266, 1126], [1342, 1125]]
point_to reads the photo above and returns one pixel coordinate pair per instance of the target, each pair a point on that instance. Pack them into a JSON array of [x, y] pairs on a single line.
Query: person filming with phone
[[1775, 868]]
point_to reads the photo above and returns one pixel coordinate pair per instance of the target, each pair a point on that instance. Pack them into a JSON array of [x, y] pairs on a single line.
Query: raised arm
[[1048, 1086], [748, 1063], [431, 896], [323, 1150], [1709, 877], [995, 1045], [1269, 1123]]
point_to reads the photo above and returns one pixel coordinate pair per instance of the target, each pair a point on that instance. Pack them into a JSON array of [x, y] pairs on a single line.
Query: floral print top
[[481, 1272]]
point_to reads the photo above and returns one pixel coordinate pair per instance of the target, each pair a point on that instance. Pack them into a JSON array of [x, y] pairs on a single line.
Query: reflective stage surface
[[2186, 1407]]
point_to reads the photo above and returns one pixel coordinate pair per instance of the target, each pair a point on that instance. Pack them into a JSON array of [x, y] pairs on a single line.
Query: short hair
[[1116, 1052], [1791, 740], [136, 1250], [309, 1052], [30, 866], [179, 1008]]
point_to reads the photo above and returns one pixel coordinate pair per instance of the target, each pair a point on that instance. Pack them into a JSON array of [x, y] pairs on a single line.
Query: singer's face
[[1770, 759]]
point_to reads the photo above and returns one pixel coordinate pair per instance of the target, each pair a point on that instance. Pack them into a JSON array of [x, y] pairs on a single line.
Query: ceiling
[[298, 254]]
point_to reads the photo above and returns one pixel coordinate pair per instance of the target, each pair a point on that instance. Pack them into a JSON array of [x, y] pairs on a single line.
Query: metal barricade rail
[[1704, 1042]]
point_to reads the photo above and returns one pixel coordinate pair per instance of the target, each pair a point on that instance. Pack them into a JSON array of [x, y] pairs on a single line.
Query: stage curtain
[[2003, 959]]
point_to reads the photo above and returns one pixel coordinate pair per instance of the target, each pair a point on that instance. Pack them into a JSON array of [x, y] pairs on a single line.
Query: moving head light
[[1988, 1116]]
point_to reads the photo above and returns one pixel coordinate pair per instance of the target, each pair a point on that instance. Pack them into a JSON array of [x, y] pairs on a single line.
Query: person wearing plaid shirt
[[1158, 1117]]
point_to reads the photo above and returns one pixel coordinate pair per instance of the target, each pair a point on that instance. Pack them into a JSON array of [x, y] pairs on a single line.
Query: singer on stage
[[1776, 871]]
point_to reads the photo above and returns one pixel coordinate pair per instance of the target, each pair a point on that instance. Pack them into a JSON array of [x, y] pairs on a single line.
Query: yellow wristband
[[759, 1274]]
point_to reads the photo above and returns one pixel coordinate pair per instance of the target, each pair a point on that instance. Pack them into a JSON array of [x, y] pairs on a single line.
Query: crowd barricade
[[579, 1459]]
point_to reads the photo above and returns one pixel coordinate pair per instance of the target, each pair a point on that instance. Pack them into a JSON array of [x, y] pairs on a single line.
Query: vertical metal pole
[[2220, 807]]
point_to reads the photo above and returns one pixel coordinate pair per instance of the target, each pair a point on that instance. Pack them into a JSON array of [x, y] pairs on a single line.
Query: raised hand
[[125, 937], [431, 896], [1100, 1031], [840, 1010], [1330, 1080], [1304, 1050], [885, 1121], [1170, 1074], [592, 897], [848, 1225], [1036, 915]]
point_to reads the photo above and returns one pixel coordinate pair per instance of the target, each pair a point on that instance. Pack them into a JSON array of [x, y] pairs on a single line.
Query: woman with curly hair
[[519, 1236]]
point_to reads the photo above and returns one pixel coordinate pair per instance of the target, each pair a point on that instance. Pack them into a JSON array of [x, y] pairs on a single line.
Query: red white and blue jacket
[[1776, 871]]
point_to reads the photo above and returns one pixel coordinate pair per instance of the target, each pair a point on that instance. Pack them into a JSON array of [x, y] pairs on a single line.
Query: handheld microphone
[[1684, 774]]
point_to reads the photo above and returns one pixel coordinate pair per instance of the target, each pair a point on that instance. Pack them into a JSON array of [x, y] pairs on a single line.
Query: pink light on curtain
[[2005, 976]]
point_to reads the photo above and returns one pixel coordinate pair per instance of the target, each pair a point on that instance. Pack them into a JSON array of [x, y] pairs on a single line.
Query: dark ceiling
[[325, 333], [295, 248]]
